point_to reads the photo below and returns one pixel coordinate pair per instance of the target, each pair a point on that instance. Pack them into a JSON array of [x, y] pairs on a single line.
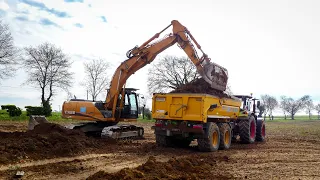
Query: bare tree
[[96, 79], [270, 103], [292, 106], [317, 108], [283, 106], [309, 107], [8, 52], [48, 68], [262, 109], [171, 72]]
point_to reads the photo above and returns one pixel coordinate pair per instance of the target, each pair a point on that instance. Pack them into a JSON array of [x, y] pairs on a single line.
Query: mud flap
[[35, 120]]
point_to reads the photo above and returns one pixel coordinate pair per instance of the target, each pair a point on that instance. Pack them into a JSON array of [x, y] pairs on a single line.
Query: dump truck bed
[[194, 107]]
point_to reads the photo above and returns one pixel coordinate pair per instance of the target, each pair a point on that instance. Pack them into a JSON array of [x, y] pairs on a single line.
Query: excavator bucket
[[215, 75], [35, 120]]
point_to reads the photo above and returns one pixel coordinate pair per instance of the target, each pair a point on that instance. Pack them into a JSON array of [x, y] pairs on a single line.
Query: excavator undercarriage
[[97, 129]]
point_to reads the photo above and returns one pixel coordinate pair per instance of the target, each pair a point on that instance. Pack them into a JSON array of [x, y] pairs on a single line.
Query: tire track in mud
[[54, 160], [285, 155]]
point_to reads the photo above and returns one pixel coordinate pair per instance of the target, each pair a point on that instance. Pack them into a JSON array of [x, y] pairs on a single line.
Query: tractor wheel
[[225, 136], [247, 128], [261, 131], [212, 140], [163, 141]]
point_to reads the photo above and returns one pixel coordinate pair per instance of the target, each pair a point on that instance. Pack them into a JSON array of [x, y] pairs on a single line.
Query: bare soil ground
[[291, 151]]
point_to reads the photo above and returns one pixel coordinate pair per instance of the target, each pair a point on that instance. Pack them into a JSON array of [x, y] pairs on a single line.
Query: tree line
[[288, 105], [48, 68]]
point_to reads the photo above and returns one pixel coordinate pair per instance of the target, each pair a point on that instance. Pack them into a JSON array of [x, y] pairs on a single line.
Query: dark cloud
[[78, 25], [48, 22], [43, 7], [104, 19], [71, 1], [2, 12], [22, 18]]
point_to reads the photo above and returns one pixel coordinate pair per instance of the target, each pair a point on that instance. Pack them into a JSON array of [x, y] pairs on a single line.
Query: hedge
[[12, 110], [39, 110]]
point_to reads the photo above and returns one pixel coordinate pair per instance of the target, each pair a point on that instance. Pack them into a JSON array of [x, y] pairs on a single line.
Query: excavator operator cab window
[[133, 104], [130, 109]]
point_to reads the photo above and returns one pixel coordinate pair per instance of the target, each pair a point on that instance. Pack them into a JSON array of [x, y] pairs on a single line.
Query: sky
[[268, 47]]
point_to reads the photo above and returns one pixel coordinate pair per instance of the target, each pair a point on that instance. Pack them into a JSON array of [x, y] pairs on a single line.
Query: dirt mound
[[199, 86], [44, 141], [51, 127], [187, 168]]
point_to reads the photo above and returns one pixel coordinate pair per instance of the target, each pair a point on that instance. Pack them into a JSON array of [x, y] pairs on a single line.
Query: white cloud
[[268, 47], [3, 5]]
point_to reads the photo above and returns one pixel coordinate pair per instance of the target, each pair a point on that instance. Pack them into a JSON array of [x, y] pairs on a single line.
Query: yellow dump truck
[[213, 121]]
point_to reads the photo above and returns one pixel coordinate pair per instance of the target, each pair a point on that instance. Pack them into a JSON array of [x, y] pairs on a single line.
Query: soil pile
[[46, 140], [186, 168], [199, 86]]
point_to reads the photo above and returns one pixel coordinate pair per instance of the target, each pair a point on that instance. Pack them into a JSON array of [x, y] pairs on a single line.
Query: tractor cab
[[249, 104]]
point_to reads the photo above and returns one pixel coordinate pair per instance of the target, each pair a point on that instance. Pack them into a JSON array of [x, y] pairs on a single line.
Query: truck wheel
[[261, 131], [247, 128], [225, 136], [212, 141], [163, 141]]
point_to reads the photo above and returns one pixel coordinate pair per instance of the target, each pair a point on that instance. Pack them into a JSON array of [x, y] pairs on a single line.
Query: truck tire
[[163, 141], [247, 128], [212, 140], [261, 131], [225, 136]]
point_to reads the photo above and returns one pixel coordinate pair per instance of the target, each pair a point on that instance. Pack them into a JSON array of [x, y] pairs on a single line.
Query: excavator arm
[[107, 114], [113, 109], [138, 57]]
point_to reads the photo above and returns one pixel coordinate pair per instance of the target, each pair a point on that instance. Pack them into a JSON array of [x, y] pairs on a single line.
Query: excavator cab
[[130, 104]]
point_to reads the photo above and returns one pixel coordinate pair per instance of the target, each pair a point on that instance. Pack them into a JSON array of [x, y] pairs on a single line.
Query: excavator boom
[[121, 103], [138, 57]]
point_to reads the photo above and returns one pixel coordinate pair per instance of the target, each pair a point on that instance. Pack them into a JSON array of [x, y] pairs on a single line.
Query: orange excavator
[[121, 103]]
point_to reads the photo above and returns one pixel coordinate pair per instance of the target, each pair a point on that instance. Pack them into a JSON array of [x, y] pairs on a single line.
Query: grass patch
[[4, 115], [294, 128]]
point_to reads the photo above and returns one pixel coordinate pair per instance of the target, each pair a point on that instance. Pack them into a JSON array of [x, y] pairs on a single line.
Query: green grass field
[[56, 116]]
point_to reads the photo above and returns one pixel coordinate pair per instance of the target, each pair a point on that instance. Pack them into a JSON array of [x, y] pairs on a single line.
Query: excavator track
[[110, 130], [122, 131]]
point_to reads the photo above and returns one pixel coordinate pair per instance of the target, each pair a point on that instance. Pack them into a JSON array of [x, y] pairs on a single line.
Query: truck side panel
[[193, 107]]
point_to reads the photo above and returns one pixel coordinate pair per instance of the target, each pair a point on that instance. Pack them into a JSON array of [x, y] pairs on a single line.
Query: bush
[[12, 110], [9, 106], [44, 110], [47, 109], [34, 110], [15, 112], [148, 115]]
